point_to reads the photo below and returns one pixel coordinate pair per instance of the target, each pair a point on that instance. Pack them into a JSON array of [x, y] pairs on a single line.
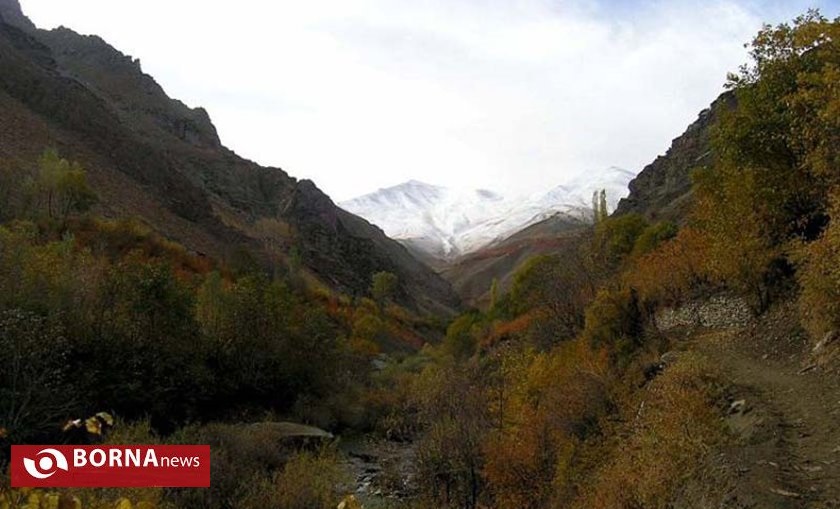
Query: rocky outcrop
[[12, 14], [662, 190], [119, 79], [152, 157]]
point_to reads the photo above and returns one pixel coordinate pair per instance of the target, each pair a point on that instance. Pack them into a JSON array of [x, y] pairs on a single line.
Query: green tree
[[382, 288], [9, 188], [461, 341], [652, 236], [210, 305], [63, 186], [494, 294], [599, 205], [615, 238], [602, 201]]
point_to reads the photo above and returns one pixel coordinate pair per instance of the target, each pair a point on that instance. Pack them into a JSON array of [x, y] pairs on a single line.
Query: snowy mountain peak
[[446, 223]]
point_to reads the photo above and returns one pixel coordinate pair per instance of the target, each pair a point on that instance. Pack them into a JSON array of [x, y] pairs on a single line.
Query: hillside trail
[[784, 417]]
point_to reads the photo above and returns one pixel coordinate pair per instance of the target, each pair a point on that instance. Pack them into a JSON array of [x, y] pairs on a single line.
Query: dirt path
[[785, 422]]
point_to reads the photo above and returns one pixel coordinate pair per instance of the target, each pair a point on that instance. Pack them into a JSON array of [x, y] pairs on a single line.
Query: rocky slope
[[153, 157], [472, 275], [662, 190]]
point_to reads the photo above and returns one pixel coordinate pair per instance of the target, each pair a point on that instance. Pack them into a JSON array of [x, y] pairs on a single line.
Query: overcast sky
[[514, 96]]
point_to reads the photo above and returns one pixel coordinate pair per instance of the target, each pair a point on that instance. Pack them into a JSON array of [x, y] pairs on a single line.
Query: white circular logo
[[49, 462]]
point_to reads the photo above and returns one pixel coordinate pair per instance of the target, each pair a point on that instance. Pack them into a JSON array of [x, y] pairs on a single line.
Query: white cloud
[[513, 96]]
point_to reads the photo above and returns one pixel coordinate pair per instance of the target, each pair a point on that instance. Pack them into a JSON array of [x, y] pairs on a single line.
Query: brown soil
[[783, 417]]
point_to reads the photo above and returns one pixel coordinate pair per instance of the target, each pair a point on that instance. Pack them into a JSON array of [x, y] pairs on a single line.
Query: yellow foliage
[[349, 502], [670, 272], [29, 498], [669, 429], [308, 481], [819, 277], [123, 503], [547, 403]]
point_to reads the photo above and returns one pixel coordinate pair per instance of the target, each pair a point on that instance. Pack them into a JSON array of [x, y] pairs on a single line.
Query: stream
[[381, 471]]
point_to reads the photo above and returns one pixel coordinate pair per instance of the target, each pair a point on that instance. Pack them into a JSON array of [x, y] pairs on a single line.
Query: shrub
[[819, 278], [653, 236], [243, 457], [307, 481], [614, 321], [663, 442], [672, 271], [615, 238], [36, 390]]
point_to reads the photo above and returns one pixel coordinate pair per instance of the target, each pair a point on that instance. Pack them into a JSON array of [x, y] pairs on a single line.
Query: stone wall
[[718, 312]]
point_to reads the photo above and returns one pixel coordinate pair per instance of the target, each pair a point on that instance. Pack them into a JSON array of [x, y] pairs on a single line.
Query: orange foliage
[[503, 331], [118, 239], [406, 336], [549, 405], [667, 274]]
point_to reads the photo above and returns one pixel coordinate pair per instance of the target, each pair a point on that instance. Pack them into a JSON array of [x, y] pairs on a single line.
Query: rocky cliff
[[152, 157], [662, 190]]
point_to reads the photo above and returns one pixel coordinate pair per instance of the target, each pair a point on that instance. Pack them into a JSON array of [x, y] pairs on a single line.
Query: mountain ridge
[[11, 12], [152, 157], [445, 224], [662, 190]]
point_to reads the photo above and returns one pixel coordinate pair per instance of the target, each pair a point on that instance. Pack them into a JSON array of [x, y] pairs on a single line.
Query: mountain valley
[[662, 337]]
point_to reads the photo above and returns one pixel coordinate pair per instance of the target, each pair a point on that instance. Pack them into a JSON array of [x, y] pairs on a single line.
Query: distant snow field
[[447, 223]]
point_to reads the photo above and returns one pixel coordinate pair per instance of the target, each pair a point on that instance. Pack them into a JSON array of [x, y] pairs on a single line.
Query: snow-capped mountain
[[446, 223]]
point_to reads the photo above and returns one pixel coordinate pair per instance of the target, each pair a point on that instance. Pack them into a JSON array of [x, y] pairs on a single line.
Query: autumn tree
[[62, 186], [559, 287], [552, 402], [615, 321], [776, 156], [819, 277], [455, 419], [674, 271]]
